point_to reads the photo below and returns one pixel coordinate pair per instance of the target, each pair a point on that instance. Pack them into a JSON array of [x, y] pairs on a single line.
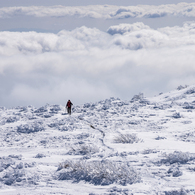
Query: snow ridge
[[141, 146]]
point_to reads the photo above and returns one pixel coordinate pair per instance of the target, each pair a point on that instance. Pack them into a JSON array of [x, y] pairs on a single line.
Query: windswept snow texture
[[141, 146]]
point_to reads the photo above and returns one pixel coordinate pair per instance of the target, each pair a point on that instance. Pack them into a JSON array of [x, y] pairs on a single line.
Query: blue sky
[[85, 52], [86, 2]]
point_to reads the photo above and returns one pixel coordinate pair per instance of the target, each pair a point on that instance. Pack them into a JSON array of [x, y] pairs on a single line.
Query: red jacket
[[69, 104]]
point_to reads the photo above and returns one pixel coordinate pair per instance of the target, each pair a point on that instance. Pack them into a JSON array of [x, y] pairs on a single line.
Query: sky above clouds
[[8, 3], [90, 51]]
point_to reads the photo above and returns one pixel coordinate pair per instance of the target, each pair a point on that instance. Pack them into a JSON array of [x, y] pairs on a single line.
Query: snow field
[[141, 146]]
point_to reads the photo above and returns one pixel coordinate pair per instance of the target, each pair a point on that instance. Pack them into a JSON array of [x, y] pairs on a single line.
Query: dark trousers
[[69, 110]]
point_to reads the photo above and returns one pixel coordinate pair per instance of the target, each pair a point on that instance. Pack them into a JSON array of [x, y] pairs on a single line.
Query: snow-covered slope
[[141, 146]]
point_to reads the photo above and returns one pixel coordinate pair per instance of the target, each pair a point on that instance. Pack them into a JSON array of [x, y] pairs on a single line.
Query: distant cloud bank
[[124, 36], [87, 64], [103, 11]]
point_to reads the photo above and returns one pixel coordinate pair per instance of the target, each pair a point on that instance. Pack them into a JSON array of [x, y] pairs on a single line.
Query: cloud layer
[[87, 64], [84, 40], [103, 11]]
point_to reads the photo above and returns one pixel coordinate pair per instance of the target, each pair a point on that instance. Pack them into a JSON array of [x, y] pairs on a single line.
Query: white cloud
[[87, 64], [126, 28], [102, 11], [86, 40]]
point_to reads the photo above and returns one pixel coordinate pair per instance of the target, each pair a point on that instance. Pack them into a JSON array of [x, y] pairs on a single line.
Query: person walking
[[68, 106]]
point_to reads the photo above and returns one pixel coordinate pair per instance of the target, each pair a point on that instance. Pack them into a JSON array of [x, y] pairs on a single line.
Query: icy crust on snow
[[140, 146]]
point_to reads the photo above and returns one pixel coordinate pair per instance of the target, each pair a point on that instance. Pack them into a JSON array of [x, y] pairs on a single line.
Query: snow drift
[[111, 146]]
